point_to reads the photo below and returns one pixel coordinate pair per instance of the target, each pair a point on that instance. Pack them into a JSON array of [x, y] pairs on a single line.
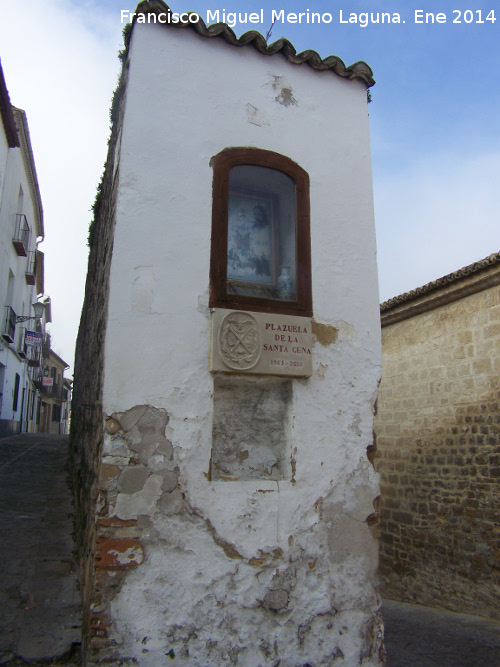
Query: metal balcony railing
[[31, 268], [37, 377], [23, 350], [34, 355], [55, 391], [21, 236], [9, 325]]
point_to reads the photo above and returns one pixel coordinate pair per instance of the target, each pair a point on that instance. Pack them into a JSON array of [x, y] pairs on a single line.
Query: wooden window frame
[[219, 298]]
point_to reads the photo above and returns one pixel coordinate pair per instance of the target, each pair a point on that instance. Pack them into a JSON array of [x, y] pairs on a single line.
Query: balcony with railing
[[37, 377], [22, 350], [34, 355], [31, 268], [8, 324], [54, 391], [21, 238]]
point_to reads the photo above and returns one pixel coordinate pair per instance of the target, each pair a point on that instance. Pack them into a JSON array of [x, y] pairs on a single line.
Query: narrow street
[[39, 602], [418, 636]]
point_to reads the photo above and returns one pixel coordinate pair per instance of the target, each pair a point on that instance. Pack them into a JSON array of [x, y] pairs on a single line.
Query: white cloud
[[434, 218], [61, 67], [59, 59]]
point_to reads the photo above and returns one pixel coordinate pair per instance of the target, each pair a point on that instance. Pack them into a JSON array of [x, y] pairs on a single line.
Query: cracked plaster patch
[[276, 590], [143, 289], [256, 117], [144, 427], [321, 370], [285, 91], [171, 503], [129, 506], [325, 334], [127, 557], [250, 430], [347, 331], [130, 418]]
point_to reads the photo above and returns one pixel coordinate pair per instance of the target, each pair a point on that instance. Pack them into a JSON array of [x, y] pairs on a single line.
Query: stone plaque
[[260, 343]]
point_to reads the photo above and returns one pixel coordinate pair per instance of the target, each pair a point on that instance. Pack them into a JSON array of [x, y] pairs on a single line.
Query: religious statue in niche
[[260, 253], [255, 248], [250, 251]]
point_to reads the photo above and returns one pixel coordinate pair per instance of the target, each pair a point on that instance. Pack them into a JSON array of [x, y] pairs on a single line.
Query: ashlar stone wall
[[438, 448], [86, 431]]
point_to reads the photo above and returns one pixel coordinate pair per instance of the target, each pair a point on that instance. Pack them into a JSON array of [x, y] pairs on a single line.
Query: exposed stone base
[[168, 585]]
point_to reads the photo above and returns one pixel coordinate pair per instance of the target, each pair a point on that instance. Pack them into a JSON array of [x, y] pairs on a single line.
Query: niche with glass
[[260, 233]]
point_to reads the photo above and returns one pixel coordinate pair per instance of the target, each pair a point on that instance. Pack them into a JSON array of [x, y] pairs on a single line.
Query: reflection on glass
[[249, 254], [261, 253]]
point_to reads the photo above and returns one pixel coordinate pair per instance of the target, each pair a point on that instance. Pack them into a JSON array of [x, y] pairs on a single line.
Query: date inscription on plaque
[[260, 343]]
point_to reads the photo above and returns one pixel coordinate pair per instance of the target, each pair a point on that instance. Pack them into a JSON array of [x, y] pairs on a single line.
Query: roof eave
[[29, 163], [359, 70], [469, 280], [8, 120]]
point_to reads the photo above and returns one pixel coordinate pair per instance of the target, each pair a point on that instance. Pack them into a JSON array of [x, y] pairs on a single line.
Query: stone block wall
[[86, 433], [438, 447]]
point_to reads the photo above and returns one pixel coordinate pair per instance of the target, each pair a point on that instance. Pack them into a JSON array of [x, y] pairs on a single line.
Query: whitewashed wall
[[214, 559], [4, 149], [12, 176]]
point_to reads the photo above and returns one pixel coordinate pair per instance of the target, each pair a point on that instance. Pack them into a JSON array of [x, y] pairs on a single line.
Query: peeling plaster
[[181, 540], [247, 572], [282, 86], [143, 289], [346, 331], [325, 334], [255, 116], [251, 429], [131, 505], [203, 305], [321, 370], [126, 557]]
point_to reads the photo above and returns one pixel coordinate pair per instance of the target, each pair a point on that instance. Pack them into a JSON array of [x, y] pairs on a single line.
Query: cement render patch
[[40, 617]]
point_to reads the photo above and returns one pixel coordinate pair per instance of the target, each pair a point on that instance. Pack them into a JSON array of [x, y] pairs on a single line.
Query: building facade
[[55, 394], [21, 272], [227, 367], [438, 442]]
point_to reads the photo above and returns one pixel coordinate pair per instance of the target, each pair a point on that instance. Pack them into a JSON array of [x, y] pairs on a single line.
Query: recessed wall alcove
[[251, 429]]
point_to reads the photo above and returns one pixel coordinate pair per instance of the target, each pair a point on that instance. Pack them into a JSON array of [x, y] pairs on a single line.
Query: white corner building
[[21, 273], [236, 501]]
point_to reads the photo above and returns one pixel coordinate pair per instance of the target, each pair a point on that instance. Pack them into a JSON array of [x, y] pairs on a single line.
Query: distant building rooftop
[[7, 114], [468, 280]]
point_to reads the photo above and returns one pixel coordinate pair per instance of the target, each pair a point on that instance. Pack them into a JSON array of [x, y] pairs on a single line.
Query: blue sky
[[435, 125]]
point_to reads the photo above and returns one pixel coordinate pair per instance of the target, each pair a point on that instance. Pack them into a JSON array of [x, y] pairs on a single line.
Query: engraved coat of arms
[[239, 340]]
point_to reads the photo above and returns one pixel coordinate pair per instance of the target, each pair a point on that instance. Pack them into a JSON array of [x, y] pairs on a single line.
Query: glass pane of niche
[[261, 234]]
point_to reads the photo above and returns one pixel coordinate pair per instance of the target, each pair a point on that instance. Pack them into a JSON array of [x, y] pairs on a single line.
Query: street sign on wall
[[33, 338]]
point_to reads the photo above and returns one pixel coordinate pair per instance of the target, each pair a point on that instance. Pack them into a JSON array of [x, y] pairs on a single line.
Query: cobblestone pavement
[[418, 636], [40, 616]]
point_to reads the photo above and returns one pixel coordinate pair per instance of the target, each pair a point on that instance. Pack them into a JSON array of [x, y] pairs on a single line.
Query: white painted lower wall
[[259, 572]]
